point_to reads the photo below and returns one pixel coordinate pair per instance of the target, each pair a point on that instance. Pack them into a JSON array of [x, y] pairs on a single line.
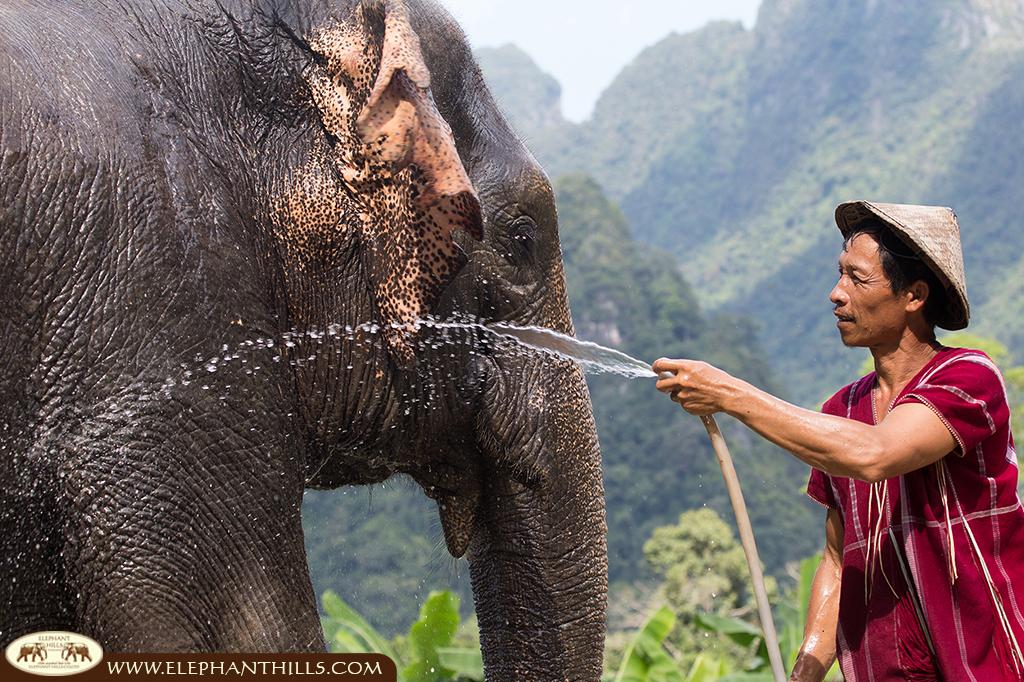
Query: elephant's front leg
[[184, 529]]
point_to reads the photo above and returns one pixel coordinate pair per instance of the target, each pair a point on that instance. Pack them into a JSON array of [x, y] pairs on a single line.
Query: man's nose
[[837, 296]]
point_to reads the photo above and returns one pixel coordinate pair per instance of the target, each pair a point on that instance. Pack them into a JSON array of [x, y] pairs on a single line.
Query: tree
[[703, 571]]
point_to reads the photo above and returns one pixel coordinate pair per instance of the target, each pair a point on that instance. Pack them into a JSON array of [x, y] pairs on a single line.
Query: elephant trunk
[[538, 557]]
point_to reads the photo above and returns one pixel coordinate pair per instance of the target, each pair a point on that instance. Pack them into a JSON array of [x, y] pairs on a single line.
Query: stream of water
[[594, 358]]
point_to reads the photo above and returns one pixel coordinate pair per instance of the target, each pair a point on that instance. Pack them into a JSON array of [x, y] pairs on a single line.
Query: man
[[923, 572]]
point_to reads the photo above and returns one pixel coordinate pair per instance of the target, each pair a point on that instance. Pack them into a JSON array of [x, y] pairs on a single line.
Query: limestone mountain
[[729, 148], [536, 104]]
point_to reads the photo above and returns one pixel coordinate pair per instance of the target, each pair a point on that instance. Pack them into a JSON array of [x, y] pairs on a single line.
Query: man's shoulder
[[965, 387], [963, 365]]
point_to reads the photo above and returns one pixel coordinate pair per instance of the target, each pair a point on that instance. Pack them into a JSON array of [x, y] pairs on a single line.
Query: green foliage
[[991, 347], [707, 668], [348, 632], [738, 631], [790, 617], [1015, 383], [465, 664], [650, 656], [645, 659], [379, 546], [702, 565], [793, 612], [439, 619], [431, 652], [427, 654], [703, 574]]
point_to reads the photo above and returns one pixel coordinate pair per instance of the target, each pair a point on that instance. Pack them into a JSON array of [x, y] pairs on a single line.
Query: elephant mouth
[[458, 520], [458, 505], [508, 441]]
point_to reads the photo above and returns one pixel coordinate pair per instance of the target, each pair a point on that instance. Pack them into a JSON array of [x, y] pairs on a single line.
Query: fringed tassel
[[942, 472], [1015, 651], [1016, 655], [878, 500]]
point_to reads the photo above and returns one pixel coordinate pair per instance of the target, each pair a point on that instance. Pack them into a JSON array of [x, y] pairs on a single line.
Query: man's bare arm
[[908, 438], [819, 648]]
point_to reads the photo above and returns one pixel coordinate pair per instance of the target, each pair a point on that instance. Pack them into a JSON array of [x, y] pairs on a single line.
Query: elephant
[[33, 650], [72, 652], [184, 178]]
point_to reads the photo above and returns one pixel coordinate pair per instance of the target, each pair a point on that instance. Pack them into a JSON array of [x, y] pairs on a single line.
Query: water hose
[[739, 508]]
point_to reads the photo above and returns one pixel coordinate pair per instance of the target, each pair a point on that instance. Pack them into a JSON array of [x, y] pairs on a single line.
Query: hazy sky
[[584, 43]]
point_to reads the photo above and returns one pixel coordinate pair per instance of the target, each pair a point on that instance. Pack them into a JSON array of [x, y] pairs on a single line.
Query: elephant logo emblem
[[73, 651], [54, 653], [33, 650]]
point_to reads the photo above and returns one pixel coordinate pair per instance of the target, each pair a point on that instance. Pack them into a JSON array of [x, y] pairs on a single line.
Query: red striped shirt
[[959, 517]]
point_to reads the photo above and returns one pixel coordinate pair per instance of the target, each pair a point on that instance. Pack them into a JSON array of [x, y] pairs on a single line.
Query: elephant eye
[[523, 229], [521, 235]]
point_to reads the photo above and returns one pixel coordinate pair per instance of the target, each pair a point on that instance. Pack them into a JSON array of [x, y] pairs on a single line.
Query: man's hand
[[700, 388], [818, 651]]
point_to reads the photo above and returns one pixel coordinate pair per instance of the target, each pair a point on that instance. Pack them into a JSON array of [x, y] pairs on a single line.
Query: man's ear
[[917, 295], [398, 157]]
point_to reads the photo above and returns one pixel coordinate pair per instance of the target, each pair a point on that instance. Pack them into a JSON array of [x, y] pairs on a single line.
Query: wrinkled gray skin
[[138, 149]]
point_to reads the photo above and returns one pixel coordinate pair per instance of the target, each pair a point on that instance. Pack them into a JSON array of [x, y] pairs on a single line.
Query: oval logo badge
[[54, 653]]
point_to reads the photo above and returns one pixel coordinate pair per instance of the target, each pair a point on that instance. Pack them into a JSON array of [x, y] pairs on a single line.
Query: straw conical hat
[[934, 235]]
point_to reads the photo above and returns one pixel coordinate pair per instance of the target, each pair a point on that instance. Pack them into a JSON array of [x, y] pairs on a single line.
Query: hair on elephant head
[[225, 221]]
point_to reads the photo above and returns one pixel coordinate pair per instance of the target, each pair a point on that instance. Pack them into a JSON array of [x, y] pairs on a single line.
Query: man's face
[[868, 313]]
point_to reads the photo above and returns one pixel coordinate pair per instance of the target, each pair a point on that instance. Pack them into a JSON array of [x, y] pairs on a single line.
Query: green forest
[[696, 221]]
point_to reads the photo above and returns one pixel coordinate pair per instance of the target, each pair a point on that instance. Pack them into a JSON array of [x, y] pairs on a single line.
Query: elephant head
[[505, 442]]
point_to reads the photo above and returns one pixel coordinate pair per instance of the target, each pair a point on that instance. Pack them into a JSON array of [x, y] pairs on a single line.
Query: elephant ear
[[398, 157]]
